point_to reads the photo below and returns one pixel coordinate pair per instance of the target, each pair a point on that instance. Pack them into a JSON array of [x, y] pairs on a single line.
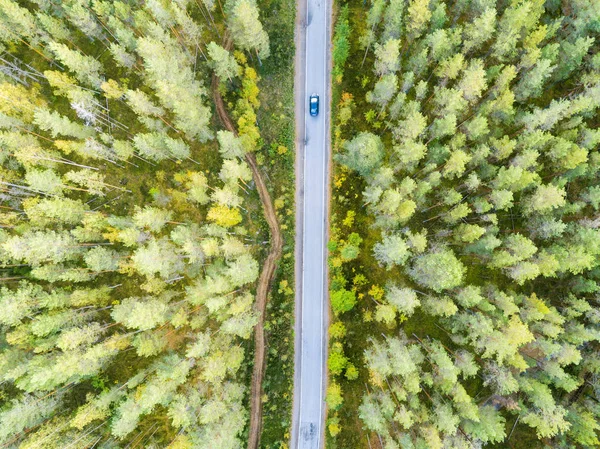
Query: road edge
[[299, 111], [326, 308]]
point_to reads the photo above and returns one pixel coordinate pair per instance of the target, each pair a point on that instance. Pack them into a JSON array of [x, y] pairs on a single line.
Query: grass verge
[[276, 122]]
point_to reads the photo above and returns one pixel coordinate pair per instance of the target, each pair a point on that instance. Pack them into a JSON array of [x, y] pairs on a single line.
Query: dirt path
[[264, 281]]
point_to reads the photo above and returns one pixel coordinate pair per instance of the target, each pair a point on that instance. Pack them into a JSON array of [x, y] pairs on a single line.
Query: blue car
[[314, 105]]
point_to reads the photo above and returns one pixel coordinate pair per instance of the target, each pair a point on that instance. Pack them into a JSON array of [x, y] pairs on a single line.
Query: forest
[[134, 144], [465, 236], [147, 224]]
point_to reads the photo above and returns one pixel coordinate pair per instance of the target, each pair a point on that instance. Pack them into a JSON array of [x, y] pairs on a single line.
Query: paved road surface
[[311, 317]]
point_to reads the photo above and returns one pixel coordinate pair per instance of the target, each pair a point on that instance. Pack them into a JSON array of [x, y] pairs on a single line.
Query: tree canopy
[[467, 152], [127, 263]]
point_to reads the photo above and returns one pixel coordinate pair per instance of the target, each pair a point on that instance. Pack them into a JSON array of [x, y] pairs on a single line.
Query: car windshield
[[313, 100]]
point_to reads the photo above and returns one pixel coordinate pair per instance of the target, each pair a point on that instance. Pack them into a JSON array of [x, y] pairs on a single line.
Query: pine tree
[[246, 28], [120, 286]]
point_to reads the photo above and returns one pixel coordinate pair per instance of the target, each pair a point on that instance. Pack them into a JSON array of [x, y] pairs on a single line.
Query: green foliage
[[351, 250], [333, 426], [392, 251], [341, 43], [438, 270], [246, 28], [342, 300], [351, 372], [124, 226], [337, 331], [336, 363], [334, 396], [224, 63], [363, 153], [470, 159]]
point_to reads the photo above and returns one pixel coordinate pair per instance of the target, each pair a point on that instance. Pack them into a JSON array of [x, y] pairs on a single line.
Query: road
[[312, 76]]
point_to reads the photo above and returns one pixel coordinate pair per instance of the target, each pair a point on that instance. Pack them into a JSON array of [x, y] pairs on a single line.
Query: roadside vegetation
[[464, 253], [132, 231], [276, 121]]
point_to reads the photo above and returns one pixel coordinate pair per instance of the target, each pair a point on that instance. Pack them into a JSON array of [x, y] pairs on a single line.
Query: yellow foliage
[[17, 337], [539, 305], [183, 176], [86, 414], [285, 288], [517, 333], [250, 89], [153, 285], [339, 179], [347, 98], [336, 262], [249, 133], [181, 442], [281, 149], [334, 427], [279, 203], [112, 235], [376, 292], [66, 146], [112, 89], [28, 203], [359, 280], [534, 38], [118, 341], [224, 216], [240, 57], [406, 209], [127, 268], [517, 361], [60, 81], [334, 396], [18, 101], [349, 220], [10, 219], [375, 379]]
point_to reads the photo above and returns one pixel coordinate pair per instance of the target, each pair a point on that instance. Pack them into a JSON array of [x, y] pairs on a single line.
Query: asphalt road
[[311, 317]]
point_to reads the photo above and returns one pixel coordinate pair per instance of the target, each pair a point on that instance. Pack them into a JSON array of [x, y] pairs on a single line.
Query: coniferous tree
[[479, 174], [123, 243]]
